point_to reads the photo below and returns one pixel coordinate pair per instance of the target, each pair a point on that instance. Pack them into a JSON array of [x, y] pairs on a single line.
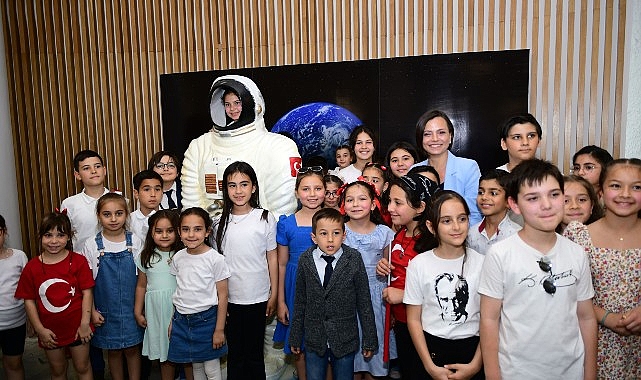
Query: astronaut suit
[[275, 158]]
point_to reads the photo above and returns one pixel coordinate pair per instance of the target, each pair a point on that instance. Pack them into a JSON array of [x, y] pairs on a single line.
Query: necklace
[[240, 219]]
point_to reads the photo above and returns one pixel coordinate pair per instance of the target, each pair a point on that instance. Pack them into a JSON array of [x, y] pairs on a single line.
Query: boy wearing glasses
[[536, 289], [167, 165]]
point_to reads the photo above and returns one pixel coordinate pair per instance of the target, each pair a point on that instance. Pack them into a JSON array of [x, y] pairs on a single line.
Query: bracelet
[[602, 323]]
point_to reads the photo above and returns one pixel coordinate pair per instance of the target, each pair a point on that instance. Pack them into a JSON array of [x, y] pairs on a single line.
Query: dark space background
[[477, 90]]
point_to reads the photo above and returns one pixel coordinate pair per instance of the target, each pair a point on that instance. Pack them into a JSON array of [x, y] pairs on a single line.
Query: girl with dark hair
[[367, 233], [246, 236], [400, 157], [613, 245], [197, 332], [443, 305], [581, 202], [588, 162], [61, 276], [153, 307], [363, 143], [409, 196], [293, 236]]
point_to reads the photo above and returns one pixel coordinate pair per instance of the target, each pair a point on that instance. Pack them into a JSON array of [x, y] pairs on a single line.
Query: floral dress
[[616, 276]]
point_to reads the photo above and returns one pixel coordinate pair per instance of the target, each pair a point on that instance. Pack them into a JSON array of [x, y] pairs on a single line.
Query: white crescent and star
[[42, 291]]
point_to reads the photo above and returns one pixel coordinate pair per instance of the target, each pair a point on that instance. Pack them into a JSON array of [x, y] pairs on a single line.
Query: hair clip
[[115, 191], [341, 189], [63, 211], [376, 165]]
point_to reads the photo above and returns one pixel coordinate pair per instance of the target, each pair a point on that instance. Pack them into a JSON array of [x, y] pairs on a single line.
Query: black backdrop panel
[[477, 90]]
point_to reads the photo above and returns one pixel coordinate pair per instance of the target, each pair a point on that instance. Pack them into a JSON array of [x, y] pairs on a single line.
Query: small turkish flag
[[295, 163]]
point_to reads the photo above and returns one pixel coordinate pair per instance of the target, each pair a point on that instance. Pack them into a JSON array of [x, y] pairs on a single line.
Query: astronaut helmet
[[253, 104]]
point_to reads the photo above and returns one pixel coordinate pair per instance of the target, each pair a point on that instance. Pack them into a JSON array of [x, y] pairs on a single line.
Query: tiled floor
[[37, 368]]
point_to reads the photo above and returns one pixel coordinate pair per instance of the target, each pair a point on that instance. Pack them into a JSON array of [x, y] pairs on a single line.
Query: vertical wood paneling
[[85, 74]]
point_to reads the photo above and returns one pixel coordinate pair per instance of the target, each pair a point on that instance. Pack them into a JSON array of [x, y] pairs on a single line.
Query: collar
[[318, 253], [139, 215], [89, 199]]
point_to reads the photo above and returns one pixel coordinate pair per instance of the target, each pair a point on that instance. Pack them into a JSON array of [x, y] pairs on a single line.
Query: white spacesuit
[[275, 158]]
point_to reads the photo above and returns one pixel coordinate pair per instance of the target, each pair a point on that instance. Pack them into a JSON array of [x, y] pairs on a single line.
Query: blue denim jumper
[[114, 298]]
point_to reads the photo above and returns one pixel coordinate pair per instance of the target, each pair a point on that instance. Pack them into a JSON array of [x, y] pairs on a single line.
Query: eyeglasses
[[235, 103], [168, 166], [306, 169], [548, 283], [588, 168], [331, 194]]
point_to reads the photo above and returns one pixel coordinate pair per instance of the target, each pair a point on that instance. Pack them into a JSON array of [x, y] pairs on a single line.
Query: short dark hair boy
[[536, 289], [341, 297], [520, 137]]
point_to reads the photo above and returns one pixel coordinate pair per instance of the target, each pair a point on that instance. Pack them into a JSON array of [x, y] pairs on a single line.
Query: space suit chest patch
[[211, 185], [295, 163]]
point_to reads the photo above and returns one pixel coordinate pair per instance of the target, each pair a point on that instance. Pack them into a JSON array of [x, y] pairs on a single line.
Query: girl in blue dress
[[293, 237], [367, 233]]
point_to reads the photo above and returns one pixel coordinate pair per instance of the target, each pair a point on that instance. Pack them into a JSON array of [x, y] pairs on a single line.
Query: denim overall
[[114, 298]]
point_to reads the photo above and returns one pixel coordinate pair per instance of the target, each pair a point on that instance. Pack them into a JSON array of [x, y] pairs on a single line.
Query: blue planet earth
[[318, 129]]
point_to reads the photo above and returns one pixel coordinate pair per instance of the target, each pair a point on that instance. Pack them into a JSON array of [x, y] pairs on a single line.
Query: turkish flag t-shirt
[[57, 290]]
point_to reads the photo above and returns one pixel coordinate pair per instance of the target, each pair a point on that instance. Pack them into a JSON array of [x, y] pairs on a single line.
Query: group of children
[[372, 248]]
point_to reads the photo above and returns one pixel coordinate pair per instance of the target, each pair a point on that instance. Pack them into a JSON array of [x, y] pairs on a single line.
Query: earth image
[[318, 129]]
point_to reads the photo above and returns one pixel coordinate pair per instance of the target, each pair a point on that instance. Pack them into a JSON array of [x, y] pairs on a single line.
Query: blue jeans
[[316, 366]]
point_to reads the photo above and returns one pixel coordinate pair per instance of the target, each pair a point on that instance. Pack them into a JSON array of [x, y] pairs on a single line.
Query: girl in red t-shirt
[[409, 196], [57, 290]]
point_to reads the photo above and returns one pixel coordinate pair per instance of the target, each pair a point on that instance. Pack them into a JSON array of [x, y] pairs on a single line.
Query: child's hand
[[271, 306], [219, 338], [393, 296], [84, 333], [368, 354], [47, 338], [383, 268], [141, 320], [612, 322], [439, 373], [283, 313], [462, 371], [295, 350], [96, 318], [631, 320]]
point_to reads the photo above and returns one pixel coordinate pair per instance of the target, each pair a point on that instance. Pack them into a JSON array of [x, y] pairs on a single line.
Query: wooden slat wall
[[84, 74]]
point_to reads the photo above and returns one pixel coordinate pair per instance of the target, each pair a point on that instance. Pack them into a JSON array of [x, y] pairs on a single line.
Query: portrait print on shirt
[[452, 295]]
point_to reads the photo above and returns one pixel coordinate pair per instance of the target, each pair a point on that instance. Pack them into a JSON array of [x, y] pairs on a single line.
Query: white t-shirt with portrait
[[449, 301]]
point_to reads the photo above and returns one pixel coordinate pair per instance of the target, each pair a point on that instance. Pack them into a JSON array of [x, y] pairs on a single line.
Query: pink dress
[[616, 276]]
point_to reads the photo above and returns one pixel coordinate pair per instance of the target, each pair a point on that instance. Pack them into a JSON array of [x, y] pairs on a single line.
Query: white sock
[[209, 370]]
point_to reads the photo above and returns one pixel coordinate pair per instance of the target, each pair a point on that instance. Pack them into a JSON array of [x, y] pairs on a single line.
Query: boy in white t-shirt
[[537, 320], [520, 137], [148, 192], [496, 224], [89, 168]]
